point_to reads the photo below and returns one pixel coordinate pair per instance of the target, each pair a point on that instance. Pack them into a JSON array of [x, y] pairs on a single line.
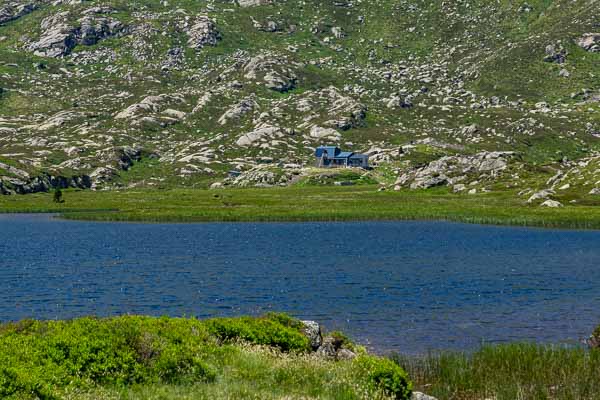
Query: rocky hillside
[[466, 93]]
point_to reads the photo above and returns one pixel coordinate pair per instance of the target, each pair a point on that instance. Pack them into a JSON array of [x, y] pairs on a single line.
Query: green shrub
[[275, 330], [385, 375], [594, 339], [341, 341], [284, 319], [47, 360], [20, 383], [177, 365], [36, 358]]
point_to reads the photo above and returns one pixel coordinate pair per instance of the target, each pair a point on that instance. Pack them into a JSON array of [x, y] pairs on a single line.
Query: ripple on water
[[405, 286]]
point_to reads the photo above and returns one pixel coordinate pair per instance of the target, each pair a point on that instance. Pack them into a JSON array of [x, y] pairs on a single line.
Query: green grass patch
[[308, 203]]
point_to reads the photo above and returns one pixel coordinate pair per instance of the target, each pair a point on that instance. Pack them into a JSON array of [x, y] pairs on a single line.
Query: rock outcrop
[[154, 111], [325, 134], [312, 330], [60, 35], [330, 347], [451, 170], [555, 54], [203, 33], [275, 73], [42, 183], [262, 136], [590, 42], [263, 176], [13, 10], [541, 195], [237, 111]]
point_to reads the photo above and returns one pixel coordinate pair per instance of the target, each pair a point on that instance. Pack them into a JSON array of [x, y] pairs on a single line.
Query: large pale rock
[[252, 3], [120, 157], [275, 72], [259, 176], [152, 104], [93, 29], [57, 39], [450, 170], [541, 195], [261, 134], [551, 204], [60, 35], [590, 42], [58, 120], [327, 348], [13, 10], [238, 110], [312, 330], [14, 171], [134, 110], [421, 396], [320, 133], [102, 175], [203, 33], [429, 182], [331, 348]]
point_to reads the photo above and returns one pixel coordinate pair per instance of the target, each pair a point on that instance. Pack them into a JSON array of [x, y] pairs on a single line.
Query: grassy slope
[[504, 44], [303, 204]]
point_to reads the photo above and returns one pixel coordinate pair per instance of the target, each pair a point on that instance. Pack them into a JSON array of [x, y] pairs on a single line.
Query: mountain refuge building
[[334, 157]]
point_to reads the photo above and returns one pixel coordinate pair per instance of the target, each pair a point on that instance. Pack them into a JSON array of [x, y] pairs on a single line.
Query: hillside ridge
[[475, 95]]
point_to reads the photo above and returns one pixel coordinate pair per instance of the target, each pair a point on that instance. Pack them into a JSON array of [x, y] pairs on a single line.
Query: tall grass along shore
[[302, 204]]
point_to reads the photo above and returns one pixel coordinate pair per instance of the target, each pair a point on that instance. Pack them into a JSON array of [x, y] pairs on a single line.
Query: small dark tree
[[58, 196]]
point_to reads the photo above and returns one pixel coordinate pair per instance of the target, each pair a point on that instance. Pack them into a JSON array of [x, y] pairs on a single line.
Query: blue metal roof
[[332, 151], [344, 154]]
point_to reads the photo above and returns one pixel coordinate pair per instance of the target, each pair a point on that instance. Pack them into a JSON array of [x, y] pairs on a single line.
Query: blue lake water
[[393, 286]]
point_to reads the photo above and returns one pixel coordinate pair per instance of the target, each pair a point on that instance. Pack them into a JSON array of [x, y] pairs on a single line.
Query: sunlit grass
[[303, 204]]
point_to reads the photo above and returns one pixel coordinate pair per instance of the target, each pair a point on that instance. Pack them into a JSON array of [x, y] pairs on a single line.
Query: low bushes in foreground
[[149, 358], [276, 330], [137, 357]]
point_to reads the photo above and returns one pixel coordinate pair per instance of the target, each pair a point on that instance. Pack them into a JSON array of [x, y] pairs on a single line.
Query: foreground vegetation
[[303, 204], [509, 372], [269, 357], [171, 358]]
